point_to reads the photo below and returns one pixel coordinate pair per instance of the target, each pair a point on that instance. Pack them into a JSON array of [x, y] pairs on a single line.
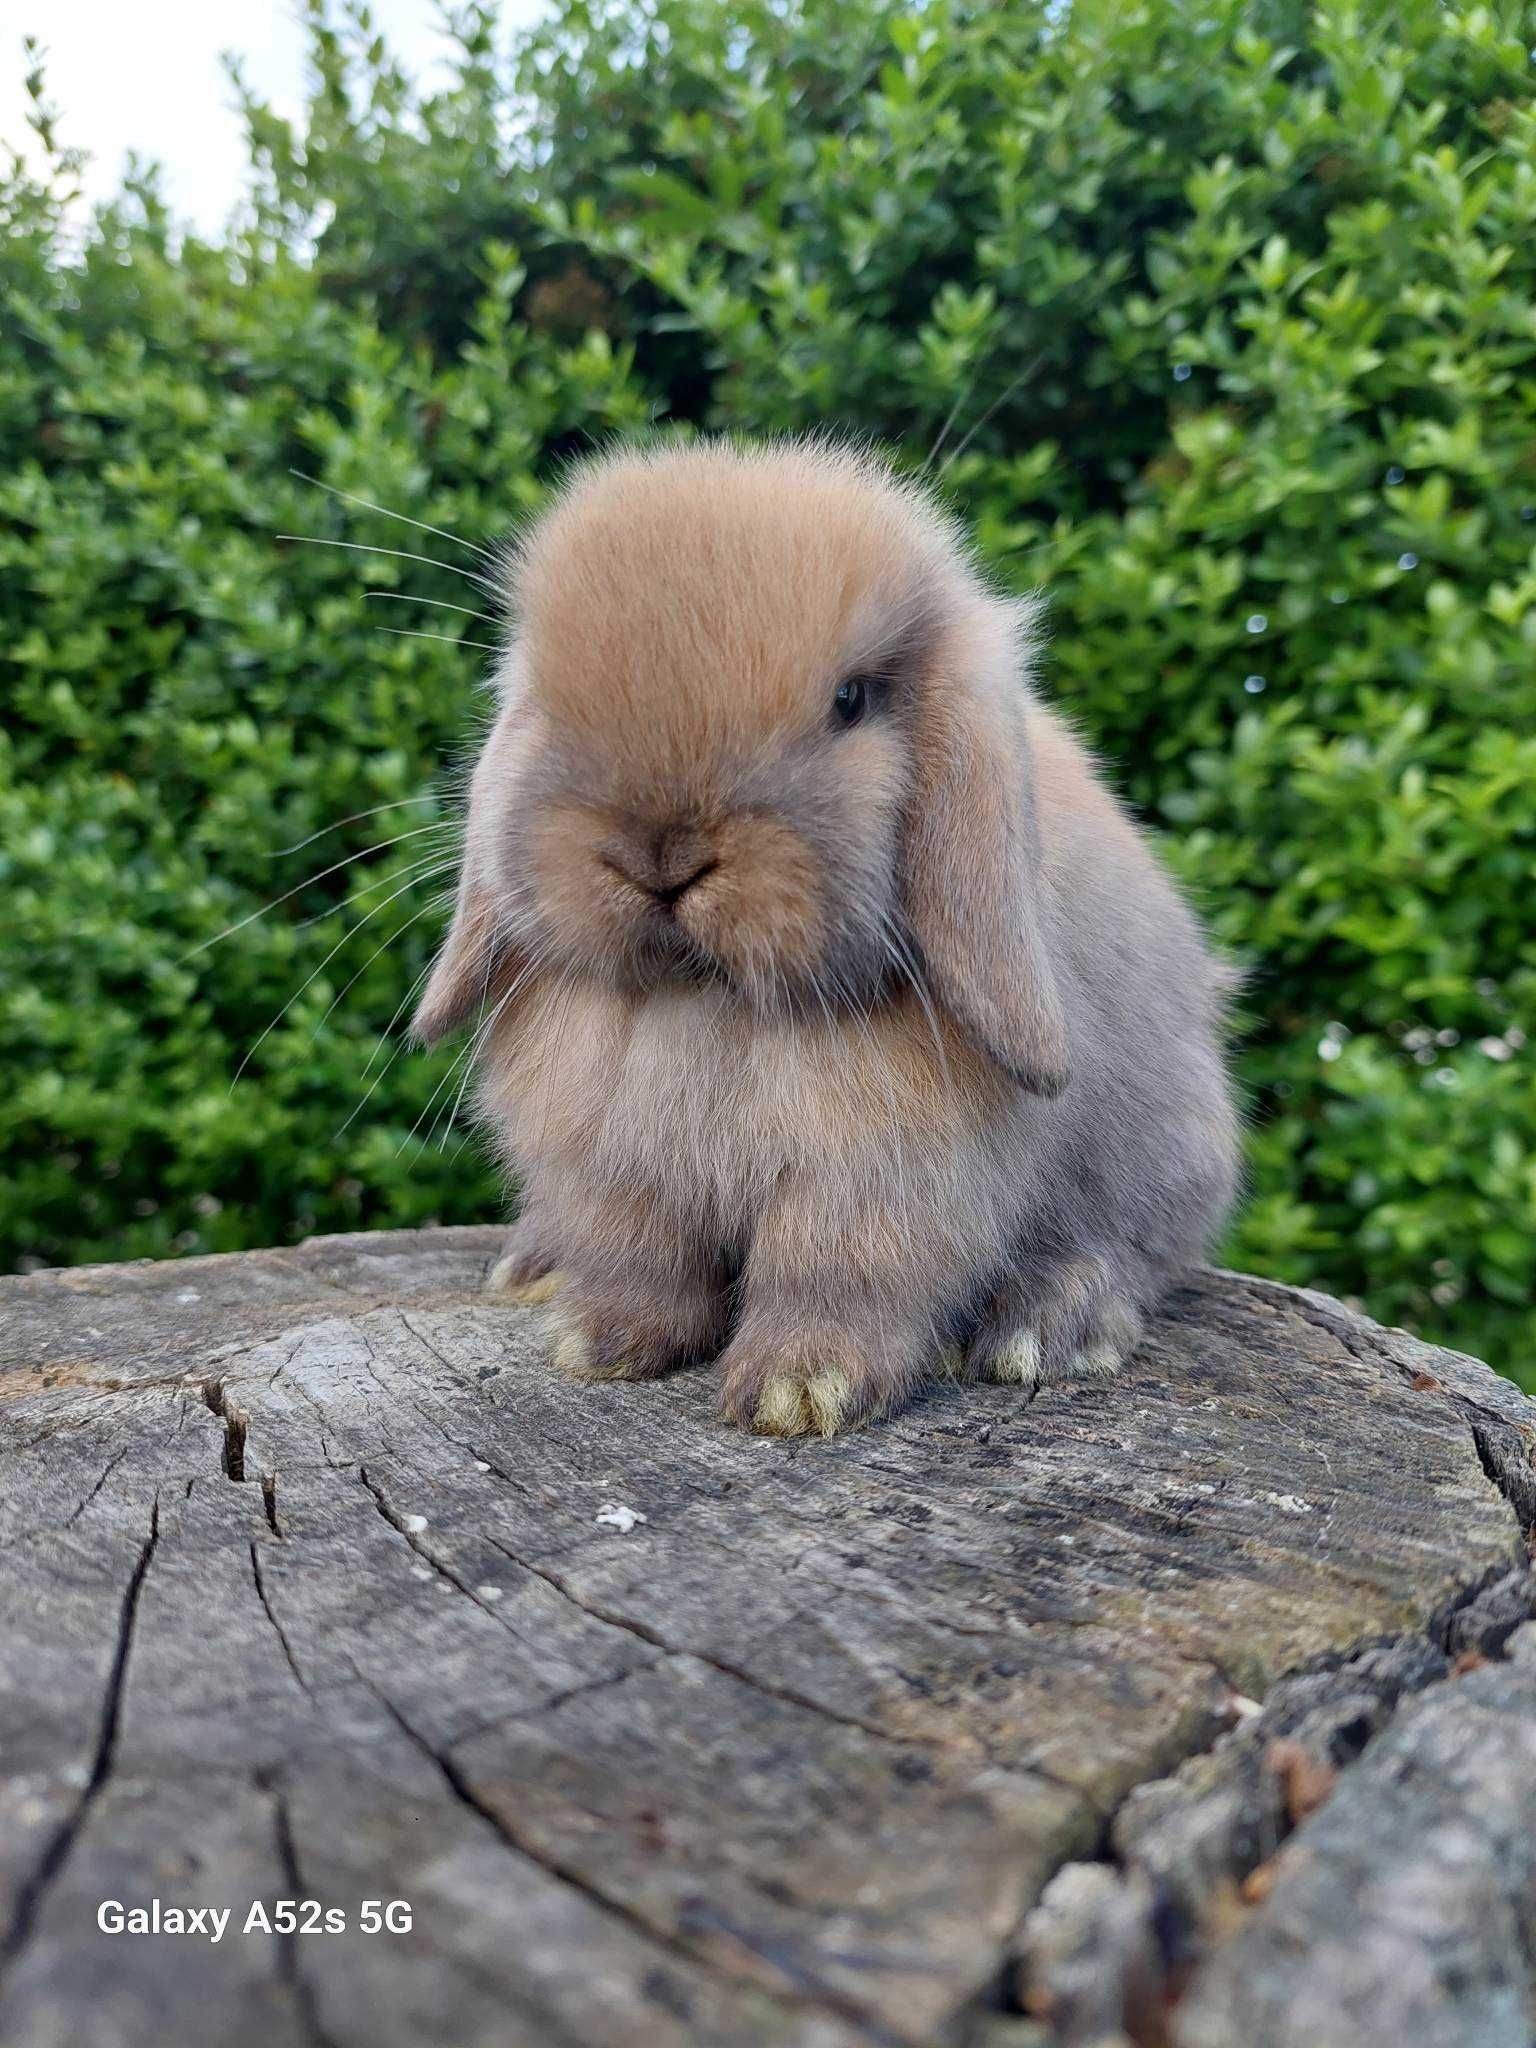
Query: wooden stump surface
[[1191, 1710]]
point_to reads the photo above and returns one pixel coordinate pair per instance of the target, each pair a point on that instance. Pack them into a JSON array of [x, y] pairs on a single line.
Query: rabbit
[[836, 1020]]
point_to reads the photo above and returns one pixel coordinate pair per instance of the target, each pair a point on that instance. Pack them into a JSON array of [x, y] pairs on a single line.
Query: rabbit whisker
[[412, 873], [439, 604], [462, 1062], [252, 1050], [954, 411], [409, 633], [415, 918], [316, 540], [479, 1039], [387, 1036], [277, 901], [396, 1047], [470, 1052], [446, 1122], [1002, 398], [351, 497], [352, 818]]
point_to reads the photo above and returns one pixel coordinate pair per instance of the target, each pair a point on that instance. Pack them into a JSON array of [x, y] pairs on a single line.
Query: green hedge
[[1221, 316]]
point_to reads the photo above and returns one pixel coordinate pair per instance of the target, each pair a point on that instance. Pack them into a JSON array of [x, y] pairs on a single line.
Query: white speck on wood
[[614, 1515]]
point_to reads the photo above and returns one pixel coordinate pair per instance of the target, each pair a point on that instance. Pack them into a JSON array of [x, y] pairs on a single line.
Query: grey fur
[[962, 1089]]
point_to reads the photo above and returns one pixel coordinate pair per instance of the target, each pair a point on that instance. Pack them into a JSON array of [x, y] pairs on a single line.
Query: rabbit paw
[[808, 1387], [612, 1336], [527, 1273], [533, 1293], [1055, 1320]]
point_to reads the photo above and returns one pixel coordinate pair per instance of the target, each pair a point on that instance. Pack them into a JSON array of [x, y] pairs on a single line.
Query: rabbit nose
[[673, 892], [663, 864]]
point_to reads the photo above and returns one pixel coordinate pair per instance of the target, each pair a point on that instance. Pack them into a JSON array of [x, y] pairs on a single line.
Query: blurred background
[[1214, 321]]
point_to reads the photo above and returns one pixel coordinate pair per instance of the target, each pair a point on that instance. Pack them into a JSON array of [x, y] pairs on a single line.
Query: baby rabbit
[[835, 1018]]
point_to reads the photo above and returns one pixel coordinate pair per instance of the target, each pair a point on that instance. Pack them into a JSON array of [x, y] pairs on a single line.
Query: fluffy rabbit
[[835, 1018]]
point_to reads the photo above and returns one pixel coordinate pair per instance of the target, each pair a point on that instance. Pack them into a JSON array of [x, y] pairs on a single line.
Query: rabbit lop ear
[[471, 966], [477, 960], [973, 877]]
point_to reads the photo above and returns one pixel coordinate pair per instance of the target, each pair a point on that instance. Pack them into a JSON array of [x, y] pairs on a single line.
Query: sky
[[145, 75]]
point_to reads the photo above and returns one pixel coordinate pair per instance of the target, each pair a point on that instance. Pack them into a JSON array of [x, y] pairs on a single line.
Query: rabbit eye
[[851, 700]]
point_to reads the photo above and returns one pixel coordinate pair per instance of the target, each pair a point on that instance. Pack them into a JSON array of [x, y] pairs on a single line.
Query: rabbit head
[[762, 726]]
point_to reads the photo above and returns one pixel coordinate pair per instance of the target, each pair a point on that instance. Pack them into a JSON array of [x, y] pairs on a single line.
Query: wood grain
[[944, 1731]]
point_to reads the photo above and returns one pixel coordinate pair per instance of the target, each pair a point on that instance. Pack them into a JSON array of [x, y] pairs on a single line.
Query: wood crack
[[236, 1424], [301, 1991], [111, 1466], [277, 1627], [787, 1696], [536, 1709], [807, 1993], [424, 1551], [34, 1890]]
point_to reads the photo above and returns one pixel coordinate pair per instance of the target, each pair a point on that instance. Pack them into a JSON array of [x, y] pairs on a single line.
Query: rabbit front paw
[[817, 1383]]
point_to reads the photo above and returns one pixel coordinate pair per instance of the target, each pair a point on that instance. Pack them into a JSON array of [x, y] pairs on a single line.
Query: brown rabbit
[[836, 1019]]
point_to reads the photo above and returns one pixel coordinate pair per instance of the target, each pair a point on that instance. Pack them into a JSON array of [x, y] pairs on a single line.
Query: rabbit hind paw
[[1058, 1322]]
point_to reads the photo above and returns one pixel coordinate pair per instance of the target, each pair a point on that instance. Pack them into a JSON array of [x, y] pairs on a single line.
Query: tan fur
[[622, 1083], [530, 1293], [648, 588], [842, 1049]]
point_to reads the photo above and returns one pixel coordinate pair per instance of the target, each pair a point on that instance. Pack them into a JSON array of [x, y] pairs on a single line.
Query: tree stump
[[1195, 1709]]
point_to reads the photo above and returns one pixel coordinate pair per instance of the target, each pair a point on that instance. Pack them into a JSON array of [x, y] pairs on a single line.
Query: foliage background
[[1227, 311]]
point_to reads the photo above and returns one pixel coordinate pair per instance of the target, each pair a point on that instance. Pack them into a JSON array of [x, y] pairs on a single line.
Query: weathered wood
[[307, 1589]]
